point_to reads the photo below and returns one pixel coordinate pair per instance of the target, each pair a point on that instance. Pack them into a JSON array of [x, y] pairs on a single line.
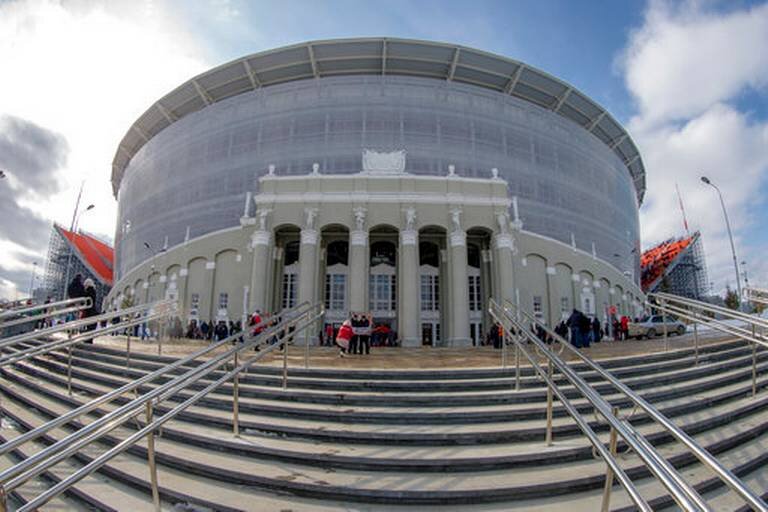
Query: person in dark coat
[[574, 324], [597, 332], [585, 326], [89, 290], [75, 290]]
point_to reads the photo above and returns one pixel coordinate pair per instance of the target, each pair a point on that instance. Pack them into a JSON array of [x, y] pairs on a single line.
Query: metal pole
[[306, 351], [754, 364], [504, 351], [664, 325], [69, 367], [160, 329], [609, 471], [128, 349], [236, 400], [285, 357], [548, 439], [517, 365], [3, 499], [151, 459], [696, 338]]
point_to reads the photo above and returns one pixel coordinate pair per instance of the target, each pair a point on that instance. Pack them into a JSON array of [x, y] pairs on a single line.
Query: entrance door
[[430, 333]]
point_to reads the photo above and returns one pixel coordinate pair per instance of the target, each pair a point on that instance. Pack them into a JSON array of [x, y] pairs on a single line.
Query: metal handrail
[[715, 323], [725, 475], [583, 425], [76, 324], [680, 490], [12, 477], [713, 308], [115, 393], [69, 305]]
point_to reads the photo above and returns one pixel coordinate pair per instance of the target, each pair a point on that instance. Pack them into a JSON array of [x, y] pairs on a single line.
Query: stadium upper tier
[[380, 56]]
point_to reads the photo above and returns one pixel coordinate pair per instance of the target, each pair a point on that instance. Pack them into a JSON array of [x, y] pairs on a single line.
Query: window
[[430, 293], [335, 290], [194, 305], [538, 310], [475, 296], [382, 292], [289, 290], [223, 300], [564, 306]]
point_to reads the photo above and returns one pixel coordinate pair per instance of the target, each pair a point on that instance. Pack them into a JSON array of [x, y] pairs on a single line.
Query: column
[[358, 271], [358, 263], [181, 283], [210, 311], [262, 251], [409, 285], [505, 289], [308, 266], [459, 291]]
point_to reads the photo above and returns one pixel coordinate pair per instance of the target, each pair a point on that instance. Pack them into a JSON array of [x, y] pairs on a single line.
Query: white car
[[652, 326]]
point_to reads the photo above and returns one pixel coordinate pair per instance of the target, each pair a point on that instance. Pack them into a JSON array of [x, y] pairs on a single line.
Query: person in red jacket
[[344, 335], [624, 327]]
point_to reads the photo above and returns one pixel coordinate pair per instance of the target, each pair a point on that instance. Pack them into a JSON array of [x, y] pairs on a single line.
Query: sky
[[688, 79]]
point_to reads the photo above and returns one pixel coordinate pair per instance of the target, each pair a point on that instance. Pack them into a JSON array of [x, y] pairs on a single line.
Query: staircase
[[385, 440]]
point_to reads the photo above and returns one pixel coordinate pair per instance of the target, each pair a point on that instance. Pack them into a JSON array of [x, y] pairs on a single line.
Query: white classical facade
[[423, 254]]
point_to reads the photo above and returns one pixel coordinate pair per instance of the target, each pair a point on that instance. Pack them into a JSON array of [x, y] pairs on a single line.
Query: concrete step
[[711, 412], [716, 376], [413, 488]]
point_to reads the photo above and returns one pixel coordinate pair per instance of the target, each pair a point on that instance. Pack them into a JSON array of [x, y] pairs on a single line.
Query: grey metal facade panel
[[375, 56], [195, 173]]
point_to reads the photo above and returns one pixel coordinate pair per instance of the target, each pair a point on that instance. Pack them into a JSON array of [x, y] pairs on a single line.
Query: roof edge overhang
[[381, 56]]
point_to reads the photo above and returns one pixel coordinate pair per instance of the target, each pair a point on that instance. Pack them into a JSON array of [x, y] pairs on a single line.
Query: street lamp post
[[730, 236]]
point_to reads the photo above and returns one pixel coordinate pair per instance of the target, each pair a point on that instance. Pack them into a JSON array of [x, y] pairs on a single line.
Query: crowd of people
[[213, 331]]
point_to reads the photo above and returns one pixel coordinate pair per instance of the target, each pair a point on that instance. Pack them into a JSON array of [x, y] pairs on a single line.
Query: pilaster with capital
[[358, 263], [261, 246], [459, 299], [408, 275]]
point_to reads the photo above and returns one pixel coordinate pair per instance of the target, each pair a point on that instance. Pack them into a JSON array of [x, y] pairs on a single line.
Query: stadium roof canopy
[[380, 56], [97, 256]]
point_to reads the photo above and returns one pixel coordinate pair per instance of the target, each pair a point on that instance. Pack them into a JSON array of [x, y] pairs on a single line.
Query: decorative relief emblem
[[375, 162]]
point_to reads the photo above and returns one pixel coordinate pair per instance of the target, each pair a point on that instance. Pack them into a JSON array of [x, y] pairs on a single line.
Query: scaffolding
[[676, 266], [66, 260]]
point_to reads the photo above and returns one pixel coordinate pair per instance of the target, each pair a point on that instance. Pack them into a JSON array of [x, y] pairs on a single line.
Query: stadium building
[[412, 179]]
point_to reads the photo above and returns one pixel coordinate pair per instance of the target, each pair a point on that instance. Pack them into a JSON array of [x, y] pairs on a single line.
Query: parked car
[[652, 326]]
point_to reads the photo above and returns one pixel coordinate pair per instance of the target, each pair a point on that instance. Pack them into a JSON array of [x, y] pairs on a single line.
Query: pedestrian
[[597, 333], [585, 330], [574, 324], [76, 289], [344, 336], [89, 290], [365, 338], [355, 340], [329, 334], [624, 327]]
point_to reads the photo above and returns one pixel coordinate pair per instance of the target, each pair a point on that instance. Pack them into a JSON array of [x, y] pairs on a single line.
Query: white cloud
[[682, 61], [87, 71], [685, 67]]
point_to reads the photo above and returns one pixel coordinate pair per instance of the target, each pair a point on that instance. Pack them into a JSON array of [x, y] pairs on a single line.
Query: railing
[[698, 312], [756, 295], [682, 492], [290, 323], [30, 313]]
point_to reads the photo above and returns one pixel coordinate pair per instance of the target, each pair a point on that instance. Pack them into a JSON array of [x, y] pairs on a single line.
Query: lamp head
[[706, 180], [90, 207], [146, 244]]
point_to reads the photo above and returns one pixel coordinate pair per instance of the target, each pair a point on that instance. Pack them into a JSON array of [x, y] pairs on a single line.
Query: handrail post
[[3, 499], [754, 363], [151, 459], [69, 367], [504, 351], [236, 400], [609, 472], [664, 324], [306, 351], [128, 348], [695, 338], [160, 329], [548, 438], [517, 365], [285, 356]]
